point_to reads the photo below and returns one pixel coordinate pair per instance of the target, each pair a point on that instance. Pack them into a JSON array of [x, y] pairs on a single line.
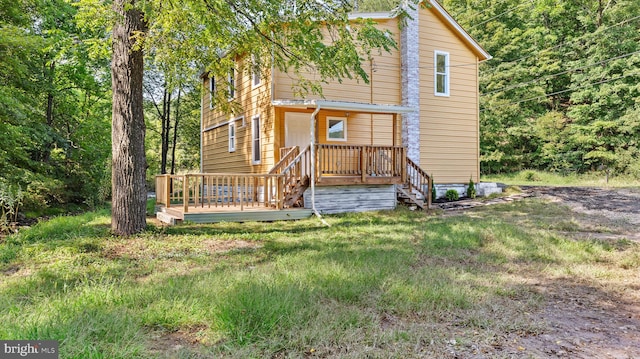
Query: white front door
[[297, 130]]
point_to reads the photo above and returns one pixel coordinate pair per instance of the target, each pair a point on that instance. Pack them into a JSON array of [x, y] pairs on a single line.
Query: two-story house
[[358, 146]]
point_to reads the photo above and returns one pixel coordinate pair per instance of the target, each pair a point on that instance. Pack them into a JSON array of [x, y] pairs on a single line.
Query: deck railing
[[220, 190], [352, 160], [419, 180], [211, 190], [287, 155], [298, 168]]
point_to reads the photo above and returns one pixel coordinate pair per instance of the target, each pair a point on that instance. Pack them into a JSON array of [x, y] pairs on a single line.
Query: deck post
[[196, 191], [167, 190], [242, 182], [429, 191], [185, 193], [363, 163], [279, 196], [404, 165]]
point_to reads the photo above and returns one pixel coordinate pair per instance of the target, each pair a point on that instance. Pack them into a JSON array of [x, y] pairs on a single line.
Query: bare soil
[[584, 318]]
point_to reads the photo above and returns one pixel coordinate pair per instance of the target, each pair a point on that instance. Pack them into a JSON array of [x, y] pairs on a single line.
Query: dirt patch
[[597, 318], [173, 341], [217, 246], [618, 210]]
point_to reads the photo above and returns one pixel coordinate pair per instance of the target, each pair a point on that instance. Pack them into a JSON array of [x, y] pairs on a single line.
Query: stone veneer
[[410, 77]]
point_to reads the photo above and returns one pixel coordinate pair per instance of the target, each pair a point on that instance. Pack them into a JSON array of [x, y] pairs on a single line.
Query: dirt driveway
[[597, 318], [617, 209]]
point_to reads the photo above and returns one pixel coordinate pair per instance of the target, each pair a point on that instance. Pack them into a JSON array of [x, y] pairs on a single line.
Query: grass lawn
[[539, 178], [391, 284]]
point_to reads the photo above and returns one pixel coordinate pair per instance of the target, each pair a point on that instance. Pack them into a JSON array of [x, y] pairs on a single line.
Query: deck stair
[[169, 215], [410, 197], [294, 191], [417, 188]]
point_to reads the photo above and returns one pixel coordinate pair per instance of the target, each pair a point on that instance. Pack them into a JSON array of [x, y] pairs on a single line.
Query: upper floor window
[[441, 73], [336, 128], [212, 90], [232, 83], [255, 78], [255, 73]]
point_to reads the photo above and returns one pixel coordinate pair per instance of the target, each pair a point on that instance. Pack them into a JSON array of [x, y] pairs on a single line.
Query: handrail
[[290, 154], [417, 178], [297, 160]]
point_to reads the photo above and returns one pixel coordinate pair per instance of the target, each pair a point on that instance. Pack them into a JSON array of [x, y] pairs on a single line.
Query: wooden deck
[[174, 215], [275, 196]]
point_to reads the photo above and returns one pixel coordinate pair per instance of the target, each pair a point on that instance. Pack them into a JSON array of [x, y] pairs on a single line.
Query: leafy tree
[[562, 90], [50, 101], [288, 35]]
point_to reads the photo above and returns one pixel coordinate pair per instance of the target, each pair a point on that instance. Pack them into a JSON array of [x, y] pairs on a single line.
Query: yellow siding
[[384, 79], [448, 125], [215, 141], [362, 129]]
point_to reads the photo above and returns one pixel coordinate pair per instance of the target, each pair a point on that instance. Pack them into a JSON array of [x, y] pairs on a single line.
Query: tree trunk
[[164, 134], [175, 135], [128, 129]]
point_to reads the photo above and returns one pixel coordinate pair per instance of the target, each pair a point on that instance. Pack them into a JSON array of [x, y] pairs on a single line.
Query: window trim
[[255, 136], [446, 74], [344, 130], [232, 137]]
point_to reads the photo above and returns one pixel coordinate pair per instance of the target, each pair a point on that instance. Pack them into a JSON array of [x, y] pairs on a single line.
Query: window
[[232, 136], [255, 73], [441, 73], [212, 90], [232, 84], [256, 150], [336, 128], [256, 80]]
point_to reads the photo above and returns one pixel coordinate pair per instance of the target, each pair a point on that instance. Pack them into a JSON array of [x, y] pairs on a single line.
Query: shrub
[[471, 189], [11, 197], [531, 176], [434, 193], [452, 195]]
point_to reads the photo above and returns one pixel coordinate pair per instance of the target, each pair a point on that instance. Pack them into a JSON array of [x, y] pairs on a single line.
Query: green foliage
[[561, 93], [530, 176], [537, 178], [53, 113], [11, 197], [471, 189], [452, 195], [375, 5]]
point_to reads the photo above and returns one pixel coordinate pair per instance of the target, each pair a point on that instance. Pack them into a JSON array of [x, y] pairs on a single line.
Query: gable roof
[[482, 54], [445, 17]]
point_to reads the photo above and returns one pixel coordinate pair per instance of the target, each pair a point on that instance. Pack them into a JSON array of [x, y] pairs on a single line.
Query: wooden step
[[405, 195]]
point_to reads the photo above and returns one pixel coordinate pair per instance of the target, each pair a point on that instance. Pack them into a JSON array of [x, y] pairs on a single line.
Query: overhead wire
[[507, 88], [501, 14], [559, 92]]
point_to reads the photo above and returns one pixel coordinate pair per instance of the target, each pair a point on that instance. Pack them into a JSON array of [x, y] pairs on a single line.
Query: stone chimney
[[410, 60]]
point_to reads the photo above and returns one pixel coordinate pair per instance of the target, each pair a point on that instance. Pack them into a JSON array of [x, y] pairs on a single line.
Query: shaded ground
[[597, 318]]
